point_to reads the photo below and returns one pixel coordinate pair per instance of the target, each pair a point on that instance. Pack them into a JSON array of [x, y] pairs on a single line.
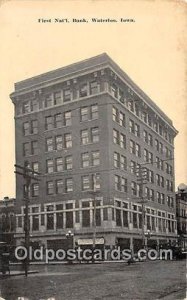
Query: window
[[155, 126], [84, 114], [35, 167], [161, 148], [162, 181], [26, 128], [34, 126], [67, 118], [58, 142], [49, 144], [133, 167], [96, 182], [116, 136], [117, 183], [26, 107], [135, 189], [59, 164], [69, 185], [160, 130], [131, 126], [69, 216], [94, 112], [84, 137], [94, 87], [95, 158], [35, 189], [150, 157], [149, 120], [95, 134], [50, 188], [146, 155], [48, 100], [68, 162], [158, 197], [162, 198], [158, 179], [50, 217], [123, 184], [59, 186], [34, 105], [105, 214], [67, 95], [137, 130], [83, 90], [67, 140], [131, 105], [116, 160], [157, 162], [169, 169], [85, 214], [122, 141], [151, 194], [122, 119], [137, 150], [150, 140], [57, 98], [157, 145], [136, 110], [114, 91], [144, 116], [85, 182], [49, 123], [150, 176], [58, 120], [132, 147], [145, 136], [118, 217], [135, 220], [121, 96], [26, 149], [34, 147], [59, 217], [123, 162], [49, 166], [85, 160], [35, 219], [115, 114]]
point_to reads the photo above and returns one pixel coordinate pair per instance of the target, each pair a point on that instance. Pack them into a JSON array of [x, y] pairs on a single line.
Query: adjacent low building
[[181, 214], [88, 129], [7, 220]]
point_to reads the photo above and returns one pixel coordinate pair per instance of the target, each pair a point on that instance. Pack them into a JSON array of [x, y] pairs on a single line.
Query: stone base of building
[[102, 241]]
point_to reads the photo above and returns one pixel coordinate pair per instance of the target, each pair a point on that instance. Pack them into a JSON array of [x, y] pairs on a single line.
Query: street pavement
[[150, 280]]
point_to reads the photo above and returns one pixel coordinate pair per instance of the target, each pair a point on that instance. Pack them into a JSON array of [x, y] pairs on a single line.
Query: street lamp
[[69, 236], [148, 235]]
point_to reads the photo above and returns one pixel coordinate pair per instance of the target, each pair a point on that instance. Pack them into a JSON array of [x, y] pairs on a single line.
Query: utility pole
[[94, 210], [94, 192], [27, 175], [142, 179]]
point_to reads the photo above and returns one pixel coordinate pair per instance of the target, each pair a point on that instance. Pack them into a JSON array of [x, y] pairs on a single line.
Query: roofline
[[106, 61]]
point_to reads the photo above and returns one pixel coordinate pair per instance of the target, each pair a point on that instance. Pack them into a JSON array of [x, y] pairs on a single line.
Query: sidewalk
[[16, 273]]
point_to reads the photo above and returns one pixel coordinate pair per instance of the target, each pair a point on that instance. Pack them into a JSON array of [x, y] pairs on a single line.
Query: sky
[[151, 50]]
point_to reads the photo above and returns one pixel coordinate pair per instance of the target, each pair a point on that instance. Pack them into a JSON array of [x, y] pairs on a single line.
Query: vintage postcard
[[93, 181]]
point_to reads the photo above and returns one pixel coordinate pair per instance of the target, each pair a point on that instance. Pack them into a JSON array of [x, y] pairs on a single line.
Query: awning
[[98, 241]]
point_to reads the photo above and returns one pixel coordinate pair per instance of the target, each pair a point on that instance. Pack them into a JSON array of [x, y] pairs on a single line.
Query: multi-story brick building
[[84, 123]]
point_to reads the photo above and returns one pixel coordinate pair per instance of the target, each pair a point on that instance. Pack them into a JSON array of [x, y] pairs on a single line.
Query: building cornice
[[82, 68]]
